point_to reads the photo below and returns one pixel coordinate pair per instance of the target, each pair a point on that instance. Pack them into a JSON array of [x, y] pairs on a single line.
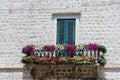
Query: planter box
[[69, 71]]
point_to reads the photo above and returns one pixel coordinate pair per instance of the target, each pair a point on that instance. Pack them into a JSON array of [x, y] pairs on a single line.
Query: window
[[66, 31]]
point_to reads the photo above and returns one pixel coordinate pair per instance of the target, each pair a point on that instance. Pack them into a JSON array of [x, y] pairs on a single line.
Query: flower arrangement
[[40, 60], [70, 50], [90, 59], [58, 60], [26, 59], [67, 60], [59, 47], [84, 59], [92, 47], [28, 50], [101, 60], [38, 48], [78, 59], [102, 49], [49, 48], [80, 47]]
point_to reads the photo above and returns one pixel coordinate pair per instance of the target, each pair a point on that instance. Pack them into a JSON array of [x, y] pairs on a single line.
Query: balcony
[[64, 61]]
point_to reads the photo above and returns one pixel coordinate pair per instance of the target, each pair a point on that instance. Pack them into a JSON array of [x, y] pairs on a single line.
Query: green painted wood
[[66, 31]]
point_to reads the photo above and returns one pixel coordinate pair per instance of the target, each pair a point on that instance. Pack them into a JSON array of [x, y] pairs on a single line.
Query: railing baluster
[[55, 54], [83, 53], [98, 53], [94, 53], [91, 53], [87, 52], [42, 54]]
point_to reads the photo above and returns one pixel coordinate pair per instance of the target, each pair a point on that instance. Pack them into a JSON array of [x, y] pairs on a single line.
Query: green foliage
[[24, 59], [102, 61], [102, 49]]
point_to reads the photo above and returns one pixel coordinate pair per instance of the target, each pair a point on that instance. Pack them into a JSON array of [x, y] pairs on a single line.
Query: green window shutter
[[60, 32], [66, 31], [70, 32]]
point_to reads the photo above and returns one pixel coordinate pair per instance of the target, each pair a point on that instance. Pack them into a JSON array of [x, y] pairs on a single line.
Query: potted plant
[[28, 50]]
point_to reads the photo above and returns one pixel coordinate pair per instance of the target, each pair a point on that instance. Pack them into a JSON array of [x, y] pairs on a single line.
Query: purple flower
[[49, 48], [92, 47], [28, 49], [70, 48]]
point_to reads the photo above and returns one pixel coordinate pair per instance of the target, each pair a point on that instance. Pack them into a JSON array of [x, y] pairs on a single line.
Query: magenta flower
[[28, 49], [70, 48], [49, 48], [92, 47]]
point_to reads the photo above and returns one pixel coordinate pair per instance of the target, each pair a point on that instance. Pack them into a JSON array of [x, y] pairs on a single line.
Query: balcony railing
[[87, 53], [66, 54]]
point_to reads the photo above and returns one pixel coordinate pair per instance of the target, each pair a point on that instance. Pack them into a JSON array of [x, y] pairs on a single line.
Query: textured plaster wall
[[25, 22]]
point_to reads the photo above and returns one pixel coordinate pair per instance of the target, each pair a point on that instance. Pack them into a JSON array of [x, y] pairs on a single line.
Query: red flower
[[50, 59], [57, 60]]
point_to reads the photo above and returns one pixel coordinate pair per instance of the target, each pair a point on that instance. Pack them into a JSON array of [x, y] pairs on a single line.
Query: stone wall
[[25, 22]]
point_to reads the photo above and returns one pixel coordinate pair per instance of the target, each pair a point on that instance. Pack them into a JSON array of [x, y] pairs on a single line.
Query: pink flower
[[92, 47], [70, 48], [28, 49], [50, 48]]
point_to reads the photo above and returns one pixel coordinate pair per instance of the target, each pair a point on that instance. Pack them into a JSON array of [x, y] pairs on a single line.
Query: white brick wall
[[25, 22], [14, 74]]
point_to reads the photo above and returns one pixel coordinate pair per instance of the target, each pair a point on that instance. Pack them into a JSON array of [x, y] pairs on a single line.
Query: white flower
[[80, 47], [59, 47], [38, 47]]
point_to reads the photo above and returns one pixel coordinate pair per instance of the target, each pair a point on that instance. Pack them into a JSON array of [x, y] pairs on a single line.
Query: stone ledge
[[12, 68], [112, 66], [106, 67], [66, 14]]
